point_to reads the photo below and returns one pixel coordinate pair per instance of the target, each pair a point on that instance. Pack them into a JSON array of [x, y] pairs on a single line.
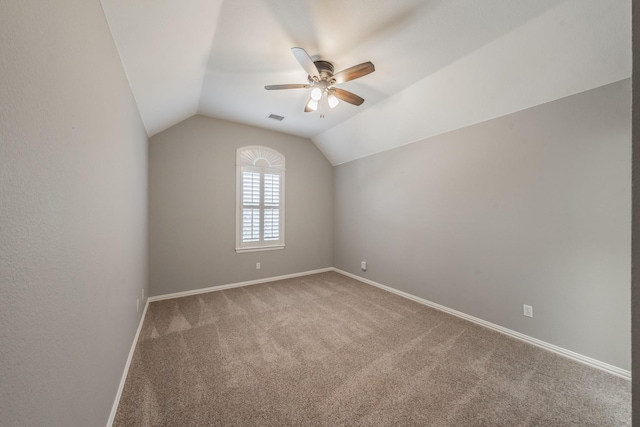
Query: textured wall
[[72, 214], [635, 286], [192, 207], [531, 208]]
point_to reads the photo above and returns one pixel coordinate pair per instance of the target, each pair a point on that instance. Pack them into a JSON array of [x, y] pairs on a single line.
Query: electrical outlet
[[528, 310], [257, 266], [137, 306], [363, 265]]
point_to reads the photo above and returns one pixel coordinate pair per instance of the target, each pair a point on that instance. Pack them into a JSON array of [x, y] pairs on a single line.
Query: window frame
[[264, 161]]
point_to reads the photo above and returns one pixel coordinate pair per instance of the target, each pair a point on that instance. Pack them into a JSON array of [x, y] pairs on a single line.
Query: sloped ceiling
[[440, 64]]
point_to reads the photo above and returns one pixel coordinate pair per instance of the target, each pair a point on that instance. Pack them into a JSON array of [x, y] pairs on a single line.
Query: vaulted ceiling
[[440, 64]]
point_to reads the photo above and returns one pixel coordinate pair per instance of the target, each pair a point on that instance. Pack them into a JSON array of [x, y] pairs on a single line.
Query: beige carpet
[[329, 350]]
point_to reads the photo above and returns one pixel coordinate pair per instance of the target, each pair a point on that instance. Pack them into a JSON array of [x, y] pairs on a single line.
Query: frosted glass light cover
[[316, 94], [332, 100], [312, 104]]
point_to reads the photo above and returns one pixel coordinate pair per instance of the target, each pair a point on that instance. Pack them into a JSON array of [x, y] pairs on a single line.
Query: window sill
[[259, 248]]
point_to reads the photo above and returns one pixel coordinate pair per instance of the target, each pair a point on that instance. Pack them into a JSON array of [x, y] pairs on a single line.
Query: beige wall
[[531, 208], [635, 292], [192, 207], [73, 218]]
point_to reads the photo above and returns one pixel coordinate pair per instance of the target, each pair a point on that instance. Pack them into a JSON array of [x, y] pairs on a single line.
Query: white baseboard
[[236, 285], [114, 409], [534, 341]]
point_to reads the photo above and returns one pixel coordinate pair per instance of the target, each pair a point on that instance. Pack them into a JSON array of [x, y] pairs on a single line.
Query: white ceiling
[[440, 64]]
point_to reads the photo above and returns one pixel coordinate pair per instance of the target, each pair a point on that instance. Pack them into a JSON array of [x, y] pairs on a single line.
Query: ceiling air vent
[[276, 117]]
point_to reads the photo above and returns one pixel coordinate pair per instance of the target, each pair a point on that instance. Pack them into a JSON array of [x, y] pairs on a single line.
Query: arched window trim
[[256, 155], [260, 173]]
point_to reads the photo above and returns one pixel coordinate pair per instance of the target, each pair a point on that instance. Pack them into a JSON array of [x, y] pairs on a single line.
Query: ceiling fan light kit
[[322, 80]]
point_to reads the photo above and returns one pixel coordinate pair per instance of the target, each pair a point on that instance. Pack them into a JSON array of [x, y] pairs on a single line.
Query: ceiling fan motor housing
[[325, 69]]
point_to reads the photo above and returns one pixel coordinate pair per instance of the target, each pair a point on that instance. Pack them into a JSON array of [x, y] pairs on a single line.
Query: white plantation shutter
[[271, 207], [250, 206], [260, 182]]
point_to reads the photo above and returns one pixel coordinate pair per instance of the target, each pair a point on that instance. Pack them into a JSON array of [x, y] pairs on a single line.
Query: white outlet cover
[[528, 310]]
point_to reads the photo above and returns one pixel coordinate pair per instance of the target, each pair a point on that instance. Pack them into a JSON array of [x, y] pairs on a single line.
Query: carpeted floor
[[328, 350]]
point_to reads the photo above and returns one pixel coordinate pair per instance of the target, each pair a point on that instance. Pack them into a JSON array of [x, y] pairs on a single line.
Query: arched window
[[260, 199]]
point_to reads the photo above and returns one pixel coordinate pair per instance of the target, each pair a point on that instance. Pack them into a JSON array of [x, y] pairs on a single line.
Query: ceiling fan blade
[[291, 86], [347, 96], [354, 72], [305, 60]]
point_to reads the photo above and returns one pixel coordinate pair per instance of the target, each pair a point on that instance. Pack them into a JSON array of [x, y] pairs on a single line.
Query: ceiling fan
[[322, 80]]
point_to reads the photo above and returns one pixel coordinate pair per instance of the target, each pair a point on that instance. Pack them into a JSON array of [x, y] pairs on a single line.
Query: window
[[260, 199]]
